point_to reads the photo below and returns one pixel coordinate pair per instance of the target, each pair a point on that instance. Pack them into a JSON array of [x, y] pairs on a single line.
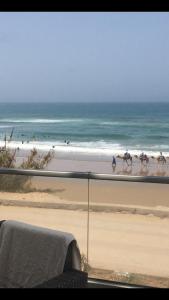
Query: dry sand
[[122, 243], [103, 195]]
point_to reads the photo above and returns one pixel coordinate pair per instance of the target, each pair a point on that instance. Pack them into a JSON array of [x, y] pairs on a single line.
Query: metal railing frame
[[86, 175]]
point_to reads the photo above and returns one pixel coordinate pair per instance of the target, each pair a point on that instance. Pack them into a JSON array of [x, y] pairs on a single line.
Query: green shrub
[[84, 263], [18, 183]]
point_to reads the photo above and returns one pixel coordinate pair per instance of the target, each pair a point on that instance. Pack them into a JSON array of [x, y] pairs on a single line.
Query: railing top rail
[[85, 175]]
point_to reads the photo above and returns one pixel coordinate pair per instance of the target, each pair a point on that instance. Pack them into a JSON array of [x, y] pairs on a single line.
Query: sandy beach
[[68, 158]]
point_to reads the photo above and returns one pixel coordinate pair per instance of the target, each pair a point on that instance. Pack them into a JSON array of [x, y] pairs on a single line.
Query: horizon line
[[85, 102]]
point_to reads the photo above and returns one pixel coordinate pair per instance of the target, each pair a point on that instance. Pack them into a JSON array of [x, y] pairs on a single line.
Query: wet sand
[[102, 164]]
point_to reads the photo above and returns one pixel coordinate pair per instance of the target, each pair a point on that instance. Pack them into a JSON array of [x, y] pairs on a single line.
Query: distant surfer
[[67, 142]]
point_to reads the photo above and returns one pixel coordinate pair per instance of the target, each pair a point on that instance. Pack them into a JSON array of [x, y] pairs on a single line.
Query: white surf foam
[[41, 120], [97, 149]]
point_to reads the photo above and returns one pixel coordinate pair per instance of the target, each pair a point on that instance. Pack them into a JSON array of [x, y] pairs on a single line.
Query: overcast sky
[[84, 57]]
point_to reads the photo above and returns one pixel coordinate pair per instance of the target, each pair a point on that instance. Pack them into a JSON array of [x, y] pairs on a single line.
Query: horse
[[144, 158]]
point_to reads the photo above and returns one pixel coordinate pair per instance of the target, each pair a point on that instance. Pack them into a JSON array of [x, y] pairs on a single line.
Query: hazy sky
[[87, 56]]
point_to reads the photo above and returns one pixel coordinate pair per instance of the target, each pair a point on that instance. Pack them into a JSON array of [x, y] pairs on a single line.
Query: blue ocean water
[[114, 126]]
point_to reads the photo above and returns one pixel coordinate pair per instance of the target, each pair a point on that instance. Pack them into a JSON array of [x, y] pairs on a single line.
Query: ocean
[[100, 129]]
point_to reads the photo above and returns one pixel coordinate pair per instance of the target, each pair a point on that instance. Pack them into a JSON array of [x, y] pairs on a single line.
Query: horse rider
[[142, 155], [162, 157], [161, 154], [126, 154]]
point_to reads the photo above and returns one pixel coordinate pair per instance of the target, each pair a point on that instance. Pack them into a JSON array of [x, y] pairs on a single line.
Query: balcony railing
[[89, 176], [86, 175]]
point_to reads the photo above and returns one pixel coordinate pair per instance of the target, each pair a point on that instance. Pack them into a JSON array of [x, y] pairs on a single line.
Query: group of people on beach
[[144, 159]]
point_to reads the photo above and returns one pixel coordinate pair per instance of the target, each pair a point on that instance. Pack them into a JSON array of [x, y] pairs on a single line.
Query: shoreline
[[82, 150]]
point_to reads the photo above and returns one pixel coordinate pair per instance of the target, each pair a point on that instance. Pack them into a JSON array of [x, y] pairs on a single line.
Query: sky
[[84, 56]]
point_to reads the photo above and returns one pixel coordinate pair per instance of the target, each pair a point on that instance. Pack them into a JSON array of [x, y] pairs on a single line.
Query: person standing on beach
[[113, 163]]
